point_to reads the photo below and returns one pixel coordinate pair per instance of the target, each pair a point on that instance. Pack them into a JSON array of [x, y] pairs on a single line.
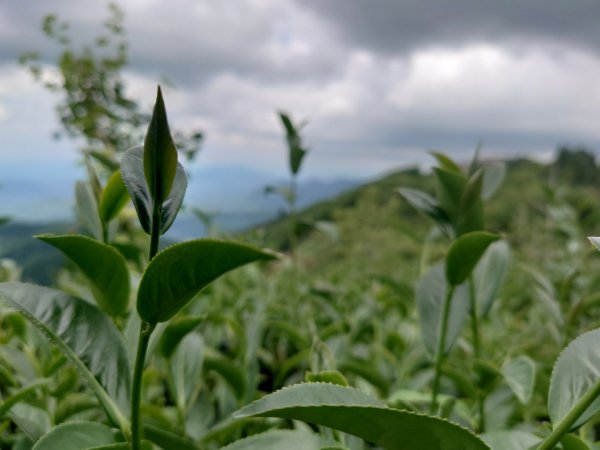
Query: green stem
[[567, 422], [476, 351], [293, 218], [155, 232], [441, 345], [144, 338]]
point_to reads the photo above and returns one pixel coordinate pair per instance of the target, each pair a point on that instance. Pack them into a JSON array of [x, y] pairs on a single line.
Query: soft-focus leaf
[[428, 206], [76, 436], [113, 198], [489, 275], [519, 374], [296, 151], [86, 206], [356, 413], [445, 162], [430, 295], [231, 372], [160, 154], [177, 274], [132, 170], [464, 254], [84, 334], [278, 440], [510, 440], [33, 421], [576, 371], [175, 331], [185, 366], [595, 241], [449, 190], [492, 179], [573, 442], [105, 268], [470, 214], [167, 440]]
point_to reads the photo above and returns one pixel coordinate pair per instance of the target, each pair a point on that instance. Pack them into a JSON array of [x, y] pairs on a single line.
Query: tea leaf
[[574, 442], [493, 176], [277, 440], [430, 296], [176, 275], [489, 275], [113, 198], [445, 162], [132, 170], [185, 368], [510, 440], [428, 206], [519, 374], [76, 436], [296, 151], [575, 373], [356, 413], [464, 254], [449, 190], [470, 213], [231, 372], [84, 334], [160, 154], [86, 206], [105, 268]]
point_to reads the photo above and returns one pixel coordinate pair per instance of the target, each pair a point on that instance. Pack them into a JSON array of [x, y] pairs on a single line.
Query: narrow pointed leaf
[[464, 254], [105, 268], [278, 440], [132, 170], [160, 154], [471, 205], [176, 275], [185, 367], [113, 198], [576, 372], [86, 336], [445, 162], [356, 413], [76, 436], [430, 295], [519, 374], [296, 151]]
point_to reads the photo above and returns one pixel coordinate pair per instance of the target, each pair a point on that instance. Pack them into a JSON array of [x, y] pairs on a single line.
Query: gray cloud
[[398, 26]]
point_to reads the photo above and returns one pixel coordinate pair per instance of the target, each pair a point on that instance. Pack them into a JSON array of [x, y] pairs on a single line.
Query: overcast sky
[[380, 81]]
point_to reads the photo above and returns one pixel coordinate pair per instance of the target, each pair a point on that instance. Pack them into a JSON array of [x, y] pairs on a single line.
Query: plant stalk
[[476, 351], [146, 330], [567, 422], [441, 345]]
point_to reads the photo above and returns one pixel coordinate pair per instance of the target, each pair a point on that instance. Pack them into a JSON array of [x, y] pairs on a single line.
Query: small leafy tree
[[93, 103]]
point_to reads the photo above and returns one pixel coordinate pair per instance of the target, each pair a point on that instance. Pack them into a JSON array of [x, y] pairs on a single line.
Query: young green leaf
[[105, 268], [296, 151], [428, 206], [575, 381], [160, 154], [277, 440], [231, 372], [464, 254], [86, 206], [176, 275], [510, 440], [489, 275], [445, 162], [76, 436], [574, 442], [85, 335], [470, 212], [185, 369], [113, 198], [519, 374], [132, 171], [492, 179], [430, 296], [449, 190], [356, 413]]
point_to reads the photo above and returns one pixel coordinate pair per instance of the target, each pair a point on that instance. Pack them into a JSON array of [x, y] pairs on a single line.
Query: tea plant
[[88, 334]]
